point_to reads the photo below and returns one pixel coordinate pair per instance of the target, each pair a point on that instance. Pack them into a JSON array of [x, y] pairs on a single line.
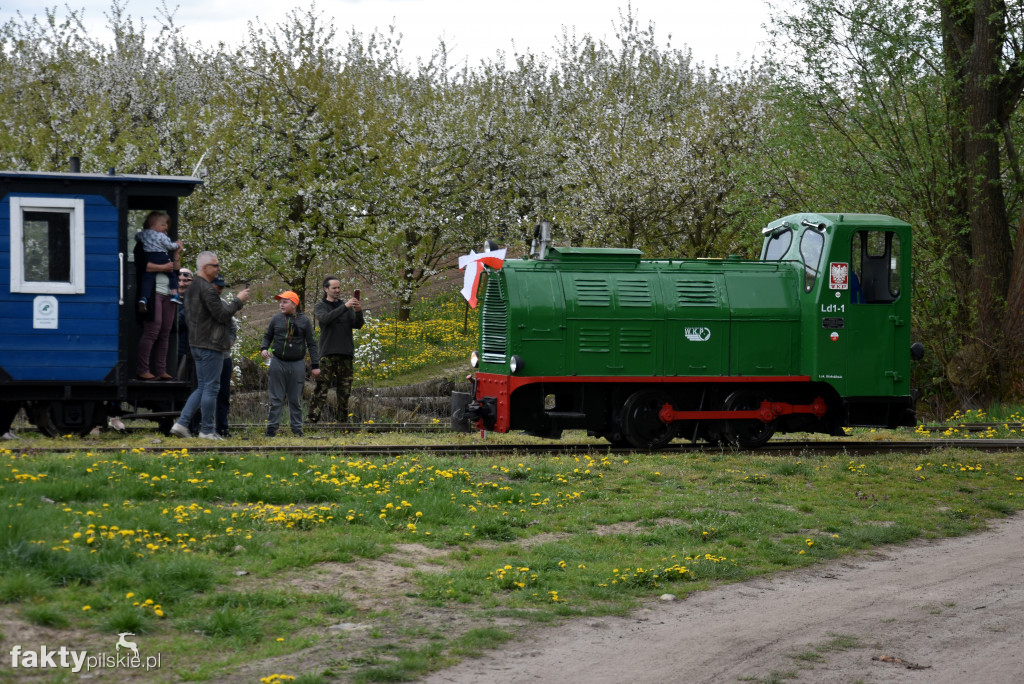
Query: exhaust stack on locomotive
[[541, 240]]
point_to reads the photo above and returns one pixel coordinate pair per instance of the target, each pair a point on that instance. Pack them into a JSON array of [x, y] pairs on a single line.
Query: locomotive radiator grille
[[595, 340], [636, 341], [494, 322], [634, 293], [593, 291], [696, 293]]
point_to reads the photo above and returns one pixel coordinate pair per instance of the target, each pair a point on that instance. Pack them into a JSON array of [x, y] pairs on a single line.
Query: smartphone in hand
[[356, 294]]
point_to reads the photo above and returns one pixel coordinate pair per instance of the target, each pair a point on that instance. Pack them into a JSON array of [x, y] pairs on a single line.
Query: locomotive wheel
[[641, 425], [749, 433]]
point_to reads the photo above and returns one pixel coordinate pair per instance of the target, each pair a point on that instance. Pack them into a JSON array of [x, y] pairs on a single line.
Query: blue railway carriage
[[68, 293], [813, 336]]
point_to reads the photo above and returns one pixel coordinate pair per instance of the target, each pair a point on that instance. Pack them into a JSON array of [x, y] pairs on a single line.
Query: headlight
[[515, 364], [474, 359]]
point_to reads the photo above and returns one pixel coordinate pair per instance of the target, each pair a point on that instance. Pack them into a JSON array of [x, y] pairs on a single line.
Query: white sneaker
[[211, 435], [116, 423], [180, 430], [10, 435]]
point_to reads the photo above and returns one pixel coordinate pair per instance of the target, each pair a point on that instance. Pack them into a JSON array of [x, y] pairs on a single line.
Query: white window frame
[[76, 209]]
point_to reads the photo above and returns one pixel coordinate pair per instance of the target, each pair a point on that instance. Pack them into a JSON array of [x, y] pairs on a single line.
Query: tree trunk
[[405, 295], [973, 43], [990, 238], [1013, 323]]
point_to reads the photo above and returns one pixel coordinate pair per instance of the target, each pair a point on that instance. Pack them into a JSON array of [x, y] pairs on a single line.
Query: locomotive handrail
[[120, 279]]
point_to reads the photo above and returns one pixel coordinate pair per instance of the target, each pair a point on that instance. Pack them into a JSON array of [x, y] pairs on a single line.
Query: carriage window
[[875, 267], [810, 251], [777, 246], [47, 245]]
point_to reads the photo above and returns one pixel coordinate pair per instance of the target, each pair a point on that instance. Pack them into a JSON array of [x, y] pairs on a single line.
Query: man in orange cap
[[289, 335]]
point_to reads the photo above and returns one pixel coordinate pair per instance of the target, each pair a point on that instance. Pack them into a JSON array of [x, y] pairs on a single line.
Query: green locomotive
[[811, 337]]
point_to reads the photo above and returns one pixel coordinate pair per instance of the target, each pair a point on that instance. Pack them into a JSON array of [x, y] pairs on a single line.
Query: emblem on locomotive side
[[838, 276], [698, 334]]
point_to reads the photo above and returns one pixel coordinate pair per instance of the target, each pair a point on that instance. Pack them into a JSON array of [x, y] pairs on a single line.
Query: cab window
[[875, 267], [811, 244], [776, 247]]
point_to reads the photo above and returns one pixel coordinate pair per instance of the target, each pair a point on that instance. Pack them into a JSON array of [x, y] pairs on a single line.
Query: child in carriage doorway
[[159, 249]]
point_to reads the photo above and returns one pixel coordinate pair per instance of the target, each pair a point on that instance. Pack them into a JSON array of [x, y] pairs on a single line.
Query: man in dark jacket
[[289, 335], [337, 321], [209, 336]]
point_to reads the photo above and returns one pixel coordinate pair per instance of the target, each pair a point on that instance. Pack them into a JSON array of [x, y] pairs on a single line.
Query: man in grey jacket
[[209, 336], [337, 321]]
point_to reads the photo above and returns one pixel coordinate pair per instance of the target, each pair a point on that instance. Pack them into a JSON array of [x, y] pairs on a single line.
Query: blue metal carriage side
[[67, 293]]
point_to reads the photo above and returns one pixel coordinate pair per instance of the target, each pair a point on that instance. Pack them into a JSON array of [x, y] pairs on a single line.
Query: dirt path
[[948, 611]]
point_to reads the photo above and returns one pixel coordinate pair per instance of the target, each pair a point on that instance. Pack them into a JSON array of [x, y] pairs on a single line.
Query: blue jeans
[[204, 397], [223, 401]]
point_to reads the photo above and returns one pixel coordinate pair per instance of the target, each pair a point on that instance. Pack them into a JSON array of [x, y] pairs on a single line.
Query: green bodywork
[[608, 313]]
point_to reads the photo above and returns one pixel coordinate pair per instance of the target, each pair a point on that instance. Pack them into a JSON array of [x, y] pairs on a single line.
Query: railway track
[[778, 447], [311, 428], [441, 427], [972, 427]]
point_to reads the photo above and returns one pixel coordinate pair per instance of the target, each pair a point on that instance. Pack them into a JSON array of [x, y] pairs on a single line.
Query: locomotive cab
[[856, 310], [68, 294]]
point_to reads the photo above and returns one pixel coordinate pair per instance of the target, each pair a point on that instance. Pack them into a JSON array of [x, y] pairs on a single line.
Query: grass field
[[326, 569]]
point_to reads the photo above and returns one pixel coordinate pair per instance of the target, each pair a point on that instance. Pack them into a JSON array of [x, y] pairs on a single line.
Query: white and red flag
[[473, 264]]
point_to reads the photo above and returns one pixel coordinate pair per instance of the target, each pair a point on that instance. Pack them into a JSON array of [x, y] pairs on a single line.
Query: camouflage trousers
[[335, 371]]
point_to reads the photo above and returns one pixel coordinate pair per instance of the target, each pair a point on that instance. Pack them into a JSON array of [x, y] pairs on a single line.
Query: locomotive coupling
[[466, 412], [484, 410]]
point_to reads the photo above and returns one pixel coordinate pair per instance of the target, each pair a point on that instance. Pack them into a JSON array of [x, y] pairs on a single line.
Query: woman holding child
[[156, 259]]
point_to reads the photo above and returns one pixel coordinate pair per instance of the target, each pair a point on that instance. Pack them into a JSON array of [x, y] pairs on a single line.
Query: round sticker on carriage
[[834, 336]]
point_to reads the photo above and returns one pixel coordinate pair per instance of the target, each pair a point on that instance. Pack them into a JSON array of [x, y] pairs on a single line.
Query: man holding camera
[[337, 321]]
